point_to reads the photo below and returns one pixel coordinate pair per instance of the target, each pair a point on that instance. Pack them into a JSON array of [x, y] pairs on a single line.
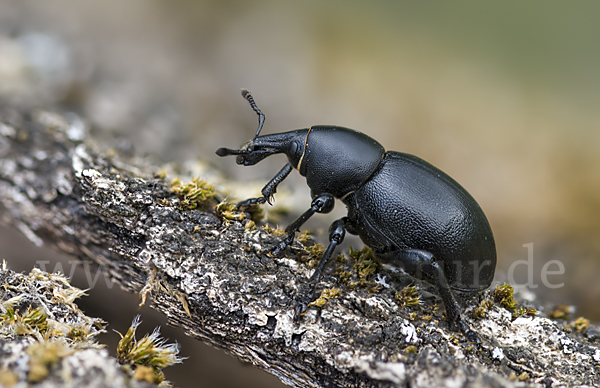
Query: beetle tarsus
[[304, 301], [277, 249], [251, 201], [469, 334]]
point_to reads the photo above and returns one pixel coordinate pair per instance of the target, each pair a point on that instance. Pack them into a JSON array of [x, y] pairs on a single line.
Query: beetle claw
[[276, 250], [473, 337], [269, 199], [300, 309], [302, 305]]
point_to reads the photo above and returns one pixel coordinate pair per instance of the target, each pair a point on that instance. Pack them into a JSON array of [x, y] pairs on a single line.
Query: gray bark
[[64, 353], [55, 188]]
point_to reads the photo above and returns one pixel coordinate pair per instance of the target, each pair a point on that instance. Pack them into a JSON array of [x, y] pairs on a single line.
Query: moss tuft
[[408, 297], [581, 324], [504, 295], [195, 194], [562, 311], [42, 355], [151, 351], [365, 264], [229, 211], [522, 311], [326, 294], [481, 311], [274, 231]]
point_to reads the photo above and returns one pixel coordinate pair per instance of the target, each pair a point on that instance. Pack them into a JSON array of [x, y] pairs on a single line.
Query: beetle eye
[[293, 148]]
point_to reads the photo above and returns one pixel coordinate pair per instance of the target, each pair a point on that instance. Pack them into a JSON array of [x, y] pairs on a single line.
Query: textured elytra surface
[[57, 189]]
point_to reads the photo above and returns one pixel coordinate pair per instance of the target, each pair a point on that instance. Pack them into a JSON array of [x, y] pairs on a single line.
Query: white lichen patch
[[80, 159], [256, 314], [386, 371], [497, 354], [285, 326], [566, 343], [292, 264], [410, 332], [547, 342], [394, 372], [377, 305], [7, 130], [381, 279]]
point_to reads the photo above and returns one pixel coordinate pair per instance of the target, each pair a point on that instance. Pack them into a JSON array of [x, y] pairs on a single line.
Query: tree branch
[[58, 190]]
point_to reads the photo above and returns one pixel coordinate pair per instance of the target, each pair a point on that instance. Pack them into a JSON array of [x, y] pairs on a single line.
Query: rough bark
[[58, 190], [46, 341]]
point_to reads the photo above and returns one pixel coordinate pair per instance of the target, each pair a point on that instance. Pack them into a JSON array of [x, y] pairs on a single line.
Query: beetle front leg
[[323, 203], [336, 236], [270, 188]]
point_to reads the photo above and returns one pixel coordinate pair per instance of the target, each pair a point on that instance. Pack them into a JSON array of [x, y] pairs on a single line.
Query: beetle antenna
[[261, 116]]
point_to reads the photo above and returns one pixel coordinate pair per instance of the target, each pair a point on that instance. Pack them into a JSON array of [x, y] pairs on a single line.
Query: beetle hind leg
[[424, 265]]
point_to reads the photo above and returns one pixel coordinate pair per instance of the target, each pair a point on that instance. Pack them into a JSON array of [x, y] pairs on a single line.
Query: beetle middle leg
[[322, 203], [424, 265], [336, 236], [270, 188]]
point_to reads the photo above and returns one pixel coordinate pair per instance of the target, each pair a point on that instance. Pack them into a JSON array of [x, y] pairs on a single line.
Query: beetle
[[410, 213]]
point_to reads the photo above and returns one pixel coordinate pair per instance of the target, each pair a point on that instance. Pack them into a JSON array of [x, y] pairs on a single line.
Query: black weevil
[[410, 213]]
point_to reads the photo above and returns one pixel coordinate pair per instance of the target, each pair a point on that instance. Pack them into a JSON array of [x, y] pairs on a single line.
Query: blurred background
[[503, 97]]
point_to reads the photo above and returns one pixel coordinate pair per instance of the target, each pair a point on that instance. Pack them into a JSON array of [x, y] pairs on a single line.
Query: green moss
[[32, 321], [326, 294], [150, 351], [229, 211], [341, 259], [345, 276], [42, 355], [562, 311], [195, 194], [581, 324], [522, 311], [316, 250], [408, 297], [481, 311], [504, 295], [365, 264], [148, 374], [304, 237], [274, 231]]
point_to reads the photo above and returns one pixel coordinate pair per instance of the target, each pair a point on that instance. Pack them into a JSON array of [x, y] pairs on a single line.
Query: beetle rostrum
[[410, 213]]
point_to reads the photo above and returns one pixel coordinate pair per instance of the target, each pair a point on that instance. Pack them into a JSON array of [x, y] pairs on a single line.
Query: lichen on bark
[[210, 276], [46, 340]]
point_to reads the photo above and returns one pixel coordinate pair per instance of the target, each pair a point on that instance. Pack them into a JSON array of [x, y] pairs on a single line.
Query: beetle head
[[290, 143], [259, 147]]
